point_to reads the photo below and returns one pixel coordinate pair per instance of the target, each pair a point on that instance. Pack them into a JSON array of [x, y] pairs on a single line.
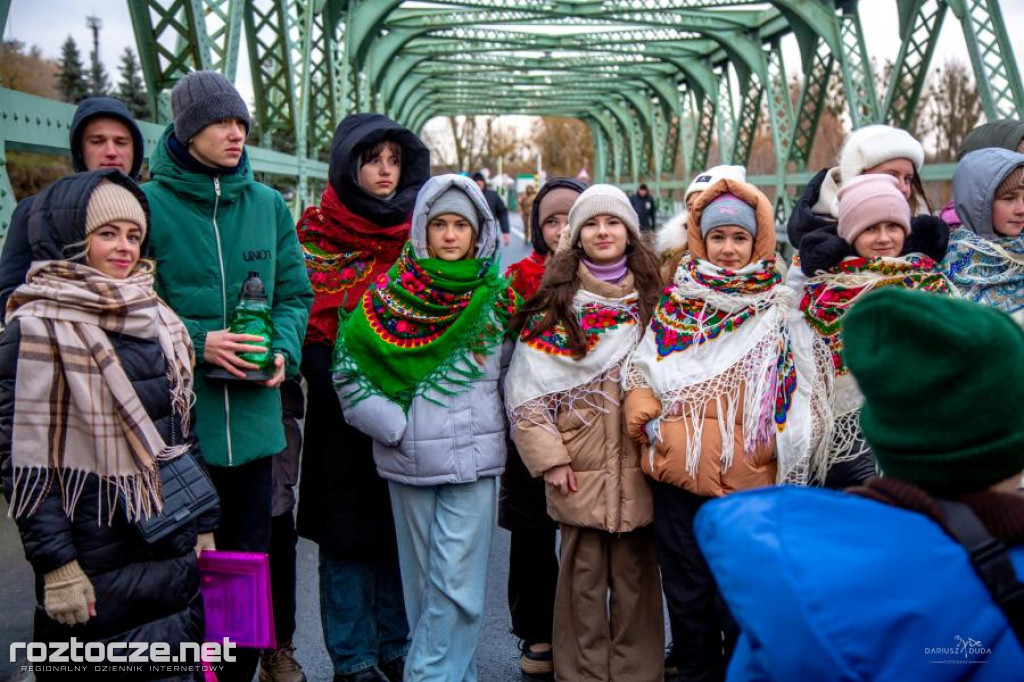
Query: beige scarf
[[76, 412]]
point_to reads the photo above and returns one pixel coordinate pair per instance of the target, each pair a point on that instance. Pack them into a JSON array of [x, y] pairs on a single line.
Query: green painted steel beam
[[920, 26], [995, 69]]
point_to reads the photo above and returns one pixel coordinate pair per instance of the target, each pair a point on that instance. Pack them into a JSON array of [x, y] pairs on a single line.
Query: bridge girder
[[664, 87]]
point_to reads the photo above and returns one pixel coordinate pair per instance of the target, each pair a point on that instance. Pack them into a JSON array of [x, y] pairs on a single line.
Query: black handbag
[[188, 493]]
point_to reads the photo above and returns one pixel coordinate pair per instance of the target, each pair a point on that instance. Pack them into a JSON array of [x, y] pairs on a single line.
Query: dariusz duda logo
[[964, 651]]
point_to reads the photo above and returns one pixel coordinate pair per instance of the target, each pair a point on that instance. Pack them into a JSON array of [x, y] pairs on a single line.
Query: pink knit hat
[[870, 199]]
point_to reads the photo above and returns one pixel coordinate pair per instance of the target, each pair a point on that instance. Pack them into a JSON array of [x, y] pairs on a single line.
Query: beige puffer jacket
[[613, 494]]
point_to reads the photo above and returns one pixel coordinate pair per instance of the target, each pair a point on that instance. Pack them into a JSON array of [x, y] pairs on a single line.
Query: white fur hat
[[713, 175], [871, 145]]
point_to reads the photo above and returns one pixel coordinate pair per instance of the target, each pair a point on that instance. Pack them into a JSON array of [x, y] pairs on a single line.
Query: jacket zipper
[[223, 309]]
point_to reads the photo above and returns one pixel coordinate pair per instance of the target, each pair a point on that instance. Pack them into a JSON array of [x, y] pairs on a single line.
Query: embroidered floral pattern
[[679, 321], [787, 384], [595, 319], [827, 299], [399, 323], [331, 273]]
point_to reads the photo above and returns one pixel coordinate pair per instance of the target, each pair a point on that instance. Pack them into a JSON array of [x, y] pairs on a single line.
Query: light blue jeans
[[444, 539]]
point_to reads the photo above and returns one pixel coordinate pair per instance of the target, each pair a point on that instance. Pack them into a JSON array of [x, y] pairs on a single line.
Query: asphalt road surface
[[497, 655]]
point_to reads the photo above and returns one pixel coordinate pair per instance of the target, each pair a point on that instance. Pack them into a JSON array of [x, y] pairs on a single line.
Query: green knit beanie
[[943, 385]]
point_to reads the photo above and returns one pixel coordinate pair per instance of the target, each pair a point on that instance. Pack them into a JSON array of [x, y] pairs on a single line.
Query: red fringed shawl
[[344, 254], [527, 274]]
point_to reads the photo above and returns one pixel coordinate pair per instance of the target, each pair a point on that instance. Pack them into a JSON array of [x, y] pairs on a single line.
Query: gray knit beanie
[[602, 200], [728, 209], [202, 98], [454, 200]]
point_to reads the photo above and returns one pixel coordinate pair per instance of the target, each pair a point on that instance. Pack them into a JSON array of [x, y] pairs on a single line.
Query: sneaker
[[537, 661], [280, 666]]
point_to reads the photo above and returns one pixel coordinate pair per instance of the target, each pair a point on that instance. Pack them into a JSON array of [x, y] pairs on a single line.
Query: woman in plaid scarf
[[95, 391]]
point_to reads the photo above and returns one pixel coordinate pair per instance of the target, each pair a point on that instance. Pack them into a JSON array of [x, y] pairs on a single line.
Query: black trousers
[[703, 631], [532, 579], [282, 575], [245, 512]]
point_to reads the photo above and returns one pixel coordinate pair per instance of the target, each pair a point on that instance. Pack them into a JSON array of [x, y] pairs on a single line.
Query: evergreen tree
[[99, 83], [71, 80], [132, 90]]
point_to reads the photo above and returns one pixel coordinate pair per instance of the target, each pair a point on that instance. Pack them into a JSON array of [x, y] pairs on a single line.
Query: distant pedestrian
[[526, 200], [496, 205], [646, 208]]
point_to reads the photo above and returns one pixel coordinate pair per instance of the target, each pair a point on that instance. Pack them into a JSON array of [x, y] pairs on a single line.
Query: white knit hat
[[871, 145], [713, 175], [602, 200]]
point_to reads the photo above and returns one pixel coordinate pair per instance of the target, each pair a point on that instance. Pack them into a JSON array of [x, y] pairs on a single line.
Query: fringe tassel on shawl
[[544, 411], [460, 369], [139, 495], [756, 376]]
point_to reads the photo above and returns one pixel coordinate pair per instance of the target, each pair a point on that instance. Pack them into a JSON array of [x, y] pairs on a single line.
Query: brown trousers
[[609, 625]]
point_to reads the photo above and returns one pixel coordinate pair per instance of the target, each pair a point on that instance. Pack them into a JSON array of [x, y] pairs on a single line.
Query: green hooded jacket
[[208, 233]]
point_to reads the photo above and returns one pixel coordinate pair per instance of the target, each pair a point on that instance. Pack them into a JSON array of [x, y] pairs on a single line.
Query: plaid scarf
[[424, 324], [76, 412], [990, 272], [344, 254]]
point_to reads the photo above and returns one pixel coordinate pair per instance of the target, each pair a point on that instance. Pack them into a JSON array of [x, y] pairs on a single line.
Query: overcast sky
[[49, 23]]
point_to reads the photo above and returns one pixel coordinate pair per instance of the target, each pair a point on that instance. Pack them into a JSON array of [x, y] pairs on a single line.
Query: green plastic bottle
[[252, 316]]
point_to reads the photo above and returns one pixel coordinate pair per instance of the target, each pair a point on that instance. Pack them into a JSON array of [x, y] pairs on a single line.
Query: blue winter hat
[[728, 209]]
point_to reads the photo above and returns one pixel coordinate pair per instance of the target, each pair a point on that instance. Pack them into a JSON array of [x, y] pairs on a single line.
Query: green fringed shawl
[[421, 325]]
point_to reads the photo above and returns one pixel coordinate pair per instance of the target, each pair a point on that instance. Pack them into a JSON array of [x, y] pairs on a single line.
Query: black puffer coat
[[344, 506], [144, 593]]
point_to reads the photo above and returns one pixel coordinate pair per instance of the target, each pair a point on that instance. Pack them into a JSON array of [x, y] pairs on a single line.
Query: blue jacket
[[829, 586]]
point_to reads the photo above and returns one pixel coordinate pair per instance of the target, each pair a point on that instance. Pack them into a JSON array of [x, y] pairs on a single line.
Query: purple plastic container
[[236, 596]]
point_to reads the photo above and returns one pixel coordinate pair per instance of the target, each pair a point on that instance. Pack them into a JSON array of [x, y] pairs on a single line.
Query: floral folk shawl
[[990, 272], [423, 325], [833, 394], [720, 337], [344, 254], [527, 274], [545, 377]]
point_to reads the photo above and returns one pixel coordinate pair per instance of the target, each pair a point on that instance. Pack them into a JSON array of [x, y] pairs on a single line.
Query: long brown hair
[[561, 282]]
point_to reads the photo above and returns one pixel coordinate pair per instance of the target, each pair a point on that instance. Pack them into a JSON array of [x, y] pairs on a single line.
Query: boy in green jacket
[[212, 225]]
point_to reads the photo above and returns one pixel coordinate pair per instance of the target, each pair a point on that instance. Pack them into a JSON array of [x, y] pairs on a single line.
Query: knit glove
[[69, 597], [204, 541]]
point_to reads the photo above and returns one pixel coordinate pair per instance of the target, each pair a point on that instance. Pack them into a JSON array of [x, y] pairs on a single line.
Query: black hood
[[57, 217], [358, 132], [94, 107], [802, 220], [537, 235]]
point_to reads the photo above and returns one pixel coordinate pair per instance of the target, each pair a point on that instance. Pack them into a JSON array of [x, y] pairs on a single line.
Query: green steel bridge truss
[[657, 82]]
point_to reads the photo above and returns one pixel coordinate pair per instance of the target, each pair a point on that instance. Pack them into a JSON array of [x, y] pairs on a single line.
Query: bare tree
[[564, 143], [952, 108]]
